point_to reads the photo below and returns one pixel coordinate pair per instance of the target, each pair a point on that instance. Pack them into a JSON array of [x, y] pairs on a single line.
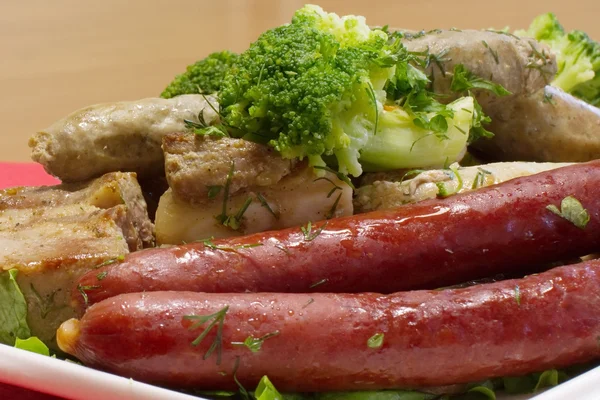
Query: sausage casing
[[325, 341], [550, 125], [498, 229]]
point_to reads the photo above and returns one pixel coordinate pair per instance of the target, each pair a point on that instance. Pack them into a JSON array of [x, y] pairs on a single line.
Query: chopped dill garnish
[[319, 283], [216, 319], [255, 344], [331, 213], [480, 177], [83, 290], [209, 243], [308, 233], [111, 261], [341, 176], [265, 204], [492, 51], [371, 94]]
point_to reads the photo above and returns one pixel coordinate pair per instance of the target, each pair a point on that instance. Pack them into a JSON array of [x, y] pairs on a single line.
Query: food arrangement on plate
[[340, 211]]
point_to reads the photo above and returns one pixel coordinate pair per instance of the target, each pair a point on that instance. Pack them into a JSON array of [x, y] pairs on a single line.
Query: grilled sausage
[[121, 136], [520, 65], [550, 125], [323, 342], [434, 243]]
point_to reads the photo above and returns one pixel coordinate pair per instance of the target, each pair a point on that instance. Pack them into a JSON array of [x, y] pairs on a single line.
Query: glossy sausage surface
[[504, 228], [319, 341]]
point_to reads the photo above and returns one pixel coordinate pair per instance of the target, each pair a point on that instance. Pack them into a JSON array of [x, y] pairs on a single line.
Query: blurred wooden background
[[61, 55]]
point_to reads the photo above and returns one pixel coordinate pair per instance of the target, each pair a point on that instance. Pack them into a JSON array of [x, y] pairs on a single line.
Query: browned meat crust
[[105, 192], [194, 163]]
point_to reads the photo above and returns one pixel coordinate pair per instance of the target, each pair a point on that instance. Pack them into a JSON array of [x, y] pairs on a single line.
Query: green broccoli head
[[204, 76], [590, 90], [337, 92], [306, 88], [544, 28], [578, 57]]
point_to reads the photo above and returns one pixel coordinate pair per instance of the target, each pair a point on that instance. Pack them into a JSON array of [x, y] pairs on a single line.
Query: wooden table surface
[[61, 55]]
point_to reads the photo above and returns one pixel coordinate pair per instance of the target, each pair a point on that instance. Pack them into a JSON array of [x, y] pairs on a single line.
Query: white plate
[[73, 381]]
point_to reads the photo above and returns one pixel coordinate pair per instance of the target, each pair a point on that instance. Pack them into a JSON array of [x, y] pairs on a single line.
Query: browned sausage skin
[[550, 125], [319, 342], [500, 57], [499, 229]]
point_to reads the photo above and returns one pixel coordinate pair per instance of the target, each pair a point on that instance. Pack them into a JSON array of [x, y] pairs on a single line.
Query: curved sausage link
[[504, 228], [550, 125], [320, 342], [500, 57]]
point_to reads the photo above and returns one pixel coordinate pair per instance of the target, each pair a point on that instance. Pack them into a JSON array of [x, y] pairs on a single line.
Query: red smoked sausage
[[320, 341], [498, 229]]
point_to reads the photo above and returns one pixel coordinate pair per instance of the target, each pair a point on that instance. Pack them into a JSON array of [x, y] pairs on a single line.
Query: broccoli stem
[[401, 144]]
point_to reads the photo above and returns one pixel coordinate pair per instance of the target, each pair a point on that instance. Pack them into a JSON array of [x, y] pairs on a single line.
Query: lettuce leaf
[[13, 309], [266, 391], [533, 382], [480, 391], [378, 395], [33, 344]]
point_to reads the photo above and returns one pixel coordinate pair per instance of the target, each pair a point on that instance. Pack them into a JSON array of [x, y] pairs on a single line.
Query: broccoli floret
[[204, 76], [590, 90], [577, 56], [328, 88]]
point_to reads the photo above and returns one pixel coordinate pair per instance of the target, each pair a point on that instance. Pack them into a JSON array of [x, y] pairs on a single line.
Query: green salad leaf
[[533, 382], [14, 330], [484, 391], [378, 395], [13, 309], [266, 391], [32, 344]]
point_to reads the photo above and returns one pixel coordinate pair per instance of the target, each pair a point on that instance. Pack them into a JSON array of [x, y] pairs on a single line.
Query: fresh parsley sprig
[[464, 80]]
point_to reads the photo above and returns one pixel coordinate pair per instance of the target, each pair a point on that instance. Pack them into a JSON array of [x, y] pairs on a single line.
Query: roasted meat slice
[[105, 192], [212, 179], [194, 164], [51, 249], [52, 235], [293, 201]]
